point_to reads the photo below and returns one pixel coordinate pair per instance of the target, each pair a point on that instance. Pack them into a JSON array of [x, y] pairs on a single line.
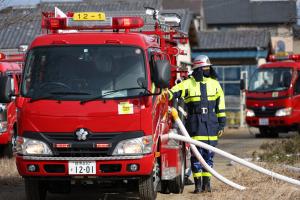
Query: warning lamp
[[2, 56], [274, 58], [69, 23], [103, 145], [62, 145], [294, 57], [127, 22], [57, 23]]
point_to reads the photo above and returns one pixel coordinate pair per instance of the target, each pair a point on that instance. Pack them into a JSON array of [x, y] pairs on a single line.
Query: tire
[[267, 132], [8, 150], [59, 187], [148, 185], [146, 188], [176, 186], [164, 187], [35, 189]]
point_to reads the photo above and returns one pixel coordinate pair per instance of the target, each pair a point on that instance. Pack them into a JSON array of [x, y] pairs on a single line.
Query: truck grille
[[86, 148], [80, 152], [267, 112], [71, 137], [81, 148]]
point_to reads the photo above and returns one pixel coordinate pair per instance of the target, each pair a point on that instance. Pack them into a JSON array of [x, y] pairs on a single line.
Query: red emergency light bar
[[11, 57], [274, 58], [56, 23], [2, 56]]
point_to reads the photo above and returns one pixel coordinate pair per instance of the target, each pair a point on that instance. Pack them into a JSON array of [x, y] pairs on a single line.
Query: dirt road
[[236, 141]]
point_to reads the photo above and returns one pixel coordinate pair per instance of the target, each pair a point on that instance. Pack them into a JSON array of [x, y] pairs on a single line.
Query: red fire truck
[[8, 118], [273, 96], [88, 110]]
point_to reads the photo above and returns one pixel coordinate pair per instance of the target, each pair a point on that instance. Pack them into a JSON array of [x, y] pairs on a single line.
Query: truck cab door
[[296, 97]]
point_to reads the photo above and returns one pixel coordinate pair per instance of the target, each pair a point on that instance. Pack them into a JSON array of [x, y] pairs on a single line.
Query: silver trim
[[82, 158]]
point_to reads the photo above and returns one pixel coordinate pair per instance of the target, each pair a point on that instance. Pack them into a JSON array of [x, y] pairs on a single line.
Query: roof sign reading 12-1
[[79, 16]]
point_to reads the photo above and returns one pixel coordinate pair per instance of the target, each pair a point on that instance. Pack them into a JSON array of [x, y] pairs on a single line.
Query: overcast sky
[[27, 2]]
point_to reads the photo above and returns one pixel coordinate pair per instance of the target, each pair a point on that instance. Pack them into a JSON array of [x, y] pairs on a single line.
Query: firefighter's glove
[[220, 133], [163, 97]]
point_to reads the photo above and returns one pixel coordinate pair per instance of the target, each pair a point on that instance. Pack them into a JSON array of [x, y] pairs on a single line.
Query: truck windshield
[[270, 79], [81, 72]]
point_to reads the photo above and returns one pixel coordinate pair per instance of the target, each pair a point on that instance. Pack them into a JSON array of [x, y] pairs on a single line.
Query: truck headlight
[[284, 112], [26, 146], [142, 145], [250, 113]]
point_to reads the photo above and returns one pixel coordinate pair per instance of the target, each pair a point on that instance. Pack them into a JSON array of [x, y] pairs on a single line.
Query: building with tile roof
[[238, 36], [237, 12], [20, 25]]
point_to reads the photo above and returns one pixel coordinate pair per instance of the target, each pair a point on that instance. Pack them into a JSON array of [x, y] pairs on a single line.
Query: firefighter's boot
[[206, 184], [198, 185]]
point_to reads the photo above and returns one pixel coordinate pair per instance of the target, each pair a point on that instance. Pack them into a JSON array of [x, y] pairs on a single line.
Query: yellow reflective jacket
[[206, 107]]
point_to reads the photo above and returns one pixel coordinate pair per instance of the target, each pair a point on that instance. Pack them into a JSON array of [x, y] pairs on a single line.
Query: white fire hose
[[186, 138], [197, 154]]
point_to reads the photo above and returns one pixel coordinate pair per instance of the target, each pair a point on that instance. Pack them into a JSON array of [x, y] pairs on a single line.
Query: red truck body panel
[[149, 116], [92, 125], [14, 70]]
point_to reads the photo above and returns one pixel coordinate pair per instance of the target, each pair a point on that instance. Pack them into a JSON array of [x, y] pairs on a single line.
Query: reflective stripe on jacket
[[206, 107]]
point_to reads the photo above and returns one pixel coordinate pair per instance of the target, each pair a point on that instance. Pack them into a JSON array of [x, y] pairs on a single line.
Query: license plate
[[264, 121], [81, 16], [82, 167]]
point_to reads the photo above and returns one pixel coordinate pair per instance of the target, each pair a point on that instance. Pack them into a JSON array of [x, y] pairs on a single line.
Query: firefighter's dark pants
[[197, 168]]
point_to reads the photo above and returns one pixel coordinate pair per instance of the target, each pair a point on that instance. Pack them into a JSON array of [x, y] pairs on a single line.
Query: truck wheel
[[164, 187], [35, 189], [146, 188], [274, 133], [59, 187], [298, 129], [8, 150], [268, 132], [177, 185], [148, 185]]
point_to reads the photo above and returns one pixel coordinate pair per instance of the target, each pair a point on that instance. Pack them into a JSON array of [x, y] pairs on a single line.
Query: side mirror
[[242, 84], [6, 89], [161, 73]]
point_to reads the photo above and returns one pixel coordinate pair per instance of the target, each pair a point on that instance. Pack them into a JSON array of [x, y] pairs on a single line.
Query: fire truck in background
[[88, 110], [273, 96], [10, 67]]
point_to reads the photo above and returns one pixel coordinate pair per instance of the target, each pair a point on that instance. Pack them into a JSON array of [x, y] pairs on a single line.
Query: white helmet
[[201, 61]]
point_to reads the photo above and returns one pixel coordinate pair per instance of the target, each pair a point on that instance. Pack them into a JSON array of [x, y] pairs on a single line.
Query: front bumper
[[272, 121], [105, 166]]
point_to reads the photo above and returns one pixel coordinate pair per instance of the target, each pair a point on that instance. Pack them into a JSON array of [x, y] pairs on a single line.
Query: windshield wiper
[[52, 95], [71, 93], [109, 93]]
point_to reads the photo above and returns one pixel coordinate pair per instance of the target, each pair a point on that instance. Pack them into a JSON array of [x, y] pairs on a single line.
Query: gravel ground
[[236, 141]]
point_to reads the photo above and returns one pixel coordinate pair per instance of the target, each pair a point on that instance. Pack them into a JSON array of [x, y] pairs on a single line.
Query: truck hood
[[67, 116], [272, 95]]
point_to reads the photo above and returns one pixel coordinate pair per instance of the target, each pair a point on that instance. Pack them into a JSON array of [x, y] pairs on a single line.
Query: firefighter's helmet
[[201, 61]]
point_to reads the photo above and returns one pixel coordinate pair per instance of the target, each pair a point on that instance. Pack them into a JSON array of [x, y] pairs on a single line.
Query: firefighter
[[205, 102]]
